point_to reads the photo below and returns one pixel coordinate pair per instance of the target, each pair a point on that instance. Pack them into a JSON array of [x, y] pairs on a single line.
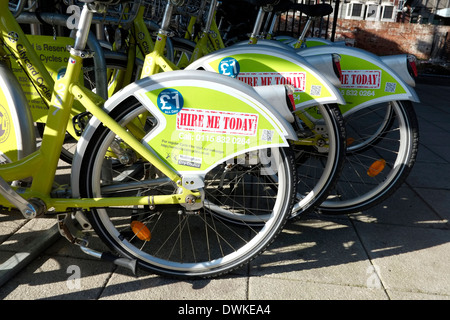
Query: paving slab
[[408, 259]]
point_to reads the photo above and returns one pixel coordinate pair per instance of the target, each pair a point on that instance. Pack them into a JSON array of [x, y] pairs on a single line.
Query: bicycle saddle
[[313, 10]]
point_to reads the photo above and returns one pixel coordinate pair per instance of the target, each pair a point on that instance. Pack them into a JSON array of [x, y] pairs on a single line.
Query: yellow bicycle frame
[[41, 165], [209, 41]]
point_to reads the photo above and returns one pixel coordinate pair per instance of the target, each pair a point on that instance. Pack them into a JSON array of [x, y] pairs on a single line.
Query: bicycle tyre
[[182, 52], [197, 251], [318, 168], [385, 138]]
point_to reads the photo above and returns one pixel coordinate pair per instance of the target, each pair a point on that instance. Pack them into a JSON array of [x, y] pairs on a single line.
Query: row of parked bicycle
[[194, 131]]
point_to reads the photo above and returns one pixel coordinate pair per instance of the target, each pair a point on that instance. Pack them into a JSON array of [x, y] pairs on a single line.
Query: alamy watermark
[[73, 282], [75, 13], [373, 281]]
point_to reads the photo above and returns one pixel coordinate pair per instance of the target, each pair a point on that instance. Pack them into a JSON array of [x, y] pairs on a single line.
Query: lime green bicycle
[[381, 125], [158, 168]]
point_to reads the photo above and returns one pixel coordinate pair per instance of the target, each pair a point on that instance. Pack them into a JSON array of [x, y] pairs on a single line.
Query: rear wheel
[[245, 207], [382, 147]]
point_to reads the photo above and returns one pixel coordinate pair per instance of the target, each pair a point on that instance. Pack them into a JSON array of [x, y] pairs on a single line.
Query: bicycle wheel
[[382, 147], [182, 52], [319, 157], [204, 243]]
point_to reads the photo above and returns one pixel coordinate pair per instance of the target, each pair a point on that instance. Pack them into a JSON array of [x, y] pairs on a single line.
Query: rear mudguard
[[399, 63], [202, 119], [323, 63], [366, 79], [261, 65], [17, 137], [310, 42]]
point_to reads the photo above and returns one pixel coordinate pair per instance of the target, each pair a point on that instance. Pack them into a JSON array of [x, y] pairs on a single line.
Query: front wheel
[[245, 207]]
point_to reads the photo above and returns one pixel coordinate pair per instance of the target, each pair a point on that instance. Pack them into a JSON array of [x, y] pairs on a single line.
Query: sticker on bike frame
[[296, 79], [229, 67], [170, 101], [53, 53], [61, 73], [215, 123], [13, 36], [361, 79], [198, 120]]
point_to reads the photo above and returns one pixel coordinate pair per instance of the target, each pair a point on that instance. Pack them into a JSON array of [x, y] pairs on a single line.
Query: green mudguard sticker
[[263, 70], [201, 126]]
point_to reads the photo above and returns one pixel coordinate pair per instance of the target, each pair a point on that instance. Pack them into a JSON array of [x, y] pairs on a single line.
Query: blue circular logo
[[61, 73], [170, 101], [229, 67]]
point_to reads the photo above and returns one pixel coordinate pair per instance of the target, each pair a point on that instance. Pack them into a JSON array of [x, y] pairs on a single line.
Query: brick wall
[[384, 38]]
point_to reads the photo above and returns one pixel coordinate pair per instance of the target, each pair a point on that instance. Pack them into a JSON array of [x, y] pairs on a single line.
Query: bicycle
[[147, 207], [381, 125]]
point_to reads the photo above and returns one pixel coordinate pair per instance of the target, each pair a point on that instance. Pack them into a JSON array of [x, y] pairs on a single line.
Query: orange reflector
[[350, 141], [376, 168], [141, 231]]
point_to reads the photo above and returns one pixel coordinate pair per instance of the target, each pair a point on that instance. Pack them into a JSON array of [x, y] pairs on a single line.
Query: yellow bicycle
[[184, 173]]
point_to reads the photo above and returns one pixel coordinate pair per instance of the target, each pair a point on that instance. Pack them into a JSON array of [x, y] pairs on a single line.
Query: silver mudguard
[[325, 65], [261, 65], [322, 62], [366, 79], [399, 63], [276, 96], [202, 119]]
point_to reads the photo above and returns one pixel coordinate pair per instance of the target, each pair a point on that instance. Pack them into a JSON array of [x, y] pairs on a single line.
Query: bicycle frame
[[208, 41], [210, 38], [150, 49], [41, 165]]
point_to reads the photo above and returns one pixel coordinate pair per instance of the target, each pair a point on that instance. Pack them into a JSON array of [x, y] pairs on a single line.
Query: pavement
[[398, 250]]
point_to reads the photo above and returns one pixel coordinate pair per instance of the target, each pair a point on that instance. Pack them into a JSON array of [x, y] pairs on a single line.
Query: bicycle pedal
[[68, 230]]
